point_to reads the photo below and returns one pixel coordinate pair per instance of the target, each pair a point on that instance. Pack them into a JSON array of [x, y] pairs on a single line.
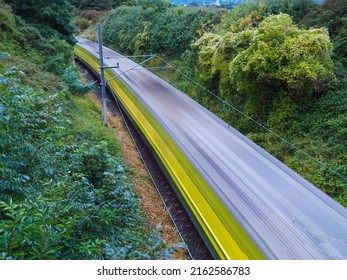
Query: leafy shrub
[[52, 18], [28, 230], [31, 34], [71, 77], [58, 56], [7, 21]]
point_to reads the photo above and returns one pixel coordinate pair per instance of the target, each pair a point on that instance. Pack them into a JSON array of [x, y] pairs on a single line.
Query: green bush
[[52, 18], [71, 77], [7, 20]]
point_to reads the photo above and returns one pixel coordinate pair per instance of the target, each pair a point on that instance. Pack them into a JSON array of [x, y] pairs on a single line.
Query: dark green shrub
[[71, 77]]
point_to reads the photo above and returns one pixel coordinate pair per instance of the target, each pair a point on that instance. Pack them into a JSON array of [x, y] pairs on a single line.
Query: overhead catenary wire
[[129, 56], [131, 68]]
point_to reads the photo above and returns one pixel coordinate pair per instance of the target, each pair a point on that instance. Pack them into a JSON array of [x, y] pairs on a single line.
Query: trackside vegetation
[[64, 188]]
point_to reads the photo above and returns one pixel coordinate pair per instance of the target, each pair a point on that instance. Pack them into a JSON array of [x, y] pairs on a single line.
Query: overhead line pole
[[102, 75]]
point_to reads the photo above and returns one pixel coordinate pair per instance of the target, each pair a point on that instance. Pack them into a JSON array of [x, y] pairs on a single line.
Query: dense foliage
[[51, 17], [275, 62], [100, 5], [157, 28], [280, 63], [17, 35], [332, 14], [64, 190]]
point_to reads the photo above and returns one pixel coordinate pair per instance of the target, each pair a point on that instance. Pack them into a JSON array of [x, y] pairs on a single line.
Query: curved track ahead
[[283, 214]]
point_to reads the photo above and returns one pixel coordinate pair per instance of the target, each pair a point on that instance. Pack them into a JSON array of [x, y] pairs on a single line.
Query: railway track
[[245, 203]]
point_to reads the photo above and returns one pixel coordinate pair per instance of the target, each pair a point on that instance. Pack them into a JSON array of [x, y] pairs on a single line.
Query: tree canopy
[[157, 28], [275, 58], [51, 17]]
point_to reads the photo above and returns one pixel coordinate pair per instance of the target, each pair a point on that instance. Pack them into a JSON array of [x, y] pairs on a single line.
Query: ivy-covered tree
[[50, 17], [282, 58], [277, 66]]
